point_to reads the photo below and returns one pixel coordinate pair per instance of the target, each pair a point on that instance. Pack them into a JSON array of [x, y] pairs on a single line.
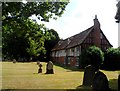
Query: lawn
[[25, 76]]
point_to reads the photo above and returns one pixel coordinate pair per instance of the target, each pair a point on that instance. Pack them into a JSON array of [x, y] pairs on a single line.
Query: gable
[[105, 40], [79, 38]]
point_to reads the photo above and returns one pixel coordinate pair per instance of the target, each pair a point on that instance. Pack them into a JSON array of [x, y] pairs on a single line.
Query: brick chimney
[[96, 32]]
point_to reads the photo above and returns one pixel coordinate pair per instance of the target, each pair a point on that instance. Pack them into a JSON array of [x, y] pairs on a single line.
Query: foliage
[[91, 56], [23, 37], [51, 41], [112, 59], [23, 41], [43, 10]]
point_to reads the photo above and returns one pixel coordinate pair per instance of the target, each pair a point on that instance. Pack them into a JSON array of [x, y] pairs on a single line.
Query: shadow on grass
[[33, 90], [70, 68], [83, 88], [113, 84]]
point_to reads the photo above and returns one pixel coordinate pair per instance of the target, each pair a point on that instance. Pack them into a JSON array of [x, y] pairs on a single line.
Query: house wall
[[59, 56], [67, 57], [91, 40], [87, 42], [104, 43], [75, 51], [72, 56]]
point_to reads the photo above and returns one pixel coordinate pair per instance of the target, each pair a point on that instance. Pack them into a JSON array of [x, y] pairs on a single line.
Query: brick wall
[[96, 33]]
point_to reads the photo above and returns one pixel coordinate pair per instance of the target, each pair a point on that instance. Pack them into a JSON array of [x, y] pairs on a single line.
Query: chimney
[[96, 23], [96, 32]]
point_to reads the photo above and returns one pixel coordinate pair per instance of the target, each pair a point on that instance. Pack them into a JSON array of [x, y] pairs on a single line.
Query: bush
[[112, 59], [92, 56]]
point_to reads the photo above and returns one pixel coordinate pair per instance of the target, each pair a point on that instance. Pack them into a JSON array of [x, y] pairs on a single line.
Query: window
[[101, 36], [77, 61], [72, 49], [77, 48], [68, 60]]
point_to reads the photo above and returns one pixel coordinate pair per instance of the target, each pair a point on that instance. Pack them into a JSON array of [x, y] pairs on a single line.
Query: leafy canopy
[[23, 37], [92, 56], [112, 59]]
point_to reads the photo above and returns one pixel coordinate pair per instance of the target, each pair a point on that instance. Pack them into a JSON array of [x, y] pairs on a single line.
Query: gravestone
[[14, 61], [40, 68], [49, 68], [100, 82], [119, 82], [38, 62], [88, 75]]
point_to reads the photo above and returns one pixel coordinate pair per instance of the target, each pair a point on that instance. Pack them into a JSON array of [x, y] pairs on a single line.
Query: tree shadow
[[70, 68], [113, 84], [83, 88], [35, 73]]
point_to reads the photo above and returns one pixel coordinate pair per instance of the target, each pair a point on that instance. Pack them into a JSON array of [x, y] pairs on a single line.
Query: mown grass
[[25, 76]]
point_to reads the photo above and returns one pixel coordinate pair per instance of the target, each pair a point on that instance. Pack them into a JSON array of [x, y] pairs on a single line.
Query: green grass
[[25, 76]]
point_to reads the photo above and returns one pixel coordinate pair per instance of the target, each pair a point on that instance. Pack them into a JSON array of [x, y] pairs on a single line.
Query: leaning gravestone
[[14, 61], [119, 81], [88, 75], [100, 82], [49, 68]]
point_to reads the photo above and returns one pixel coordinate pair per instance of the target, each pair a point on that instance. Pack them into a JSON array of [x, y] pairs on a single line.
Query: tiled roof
[[73, 41], [79, 38], [60, 45]]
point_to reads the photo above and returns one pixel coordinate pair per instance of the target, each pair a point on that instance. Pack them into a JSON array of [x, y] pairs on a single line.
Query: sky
[[79, 16]]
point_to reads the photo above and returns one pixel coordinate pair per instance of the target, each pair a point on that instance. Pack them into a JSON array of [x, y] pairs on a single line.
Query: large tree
[[43, 10], [51, 40], [21, 37]]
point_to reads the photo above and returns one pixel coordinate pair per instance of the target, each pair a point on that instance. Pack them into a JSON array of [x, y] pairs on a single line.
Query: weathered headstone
[[49, 68], [100, 82], [38, 62], [88, 75], [40, 68], [119, 82], [14, 61]]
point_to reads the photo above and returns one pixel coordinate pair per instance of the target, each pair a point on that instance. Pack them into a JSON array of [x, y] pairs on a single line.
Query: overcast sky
[[79, 16]]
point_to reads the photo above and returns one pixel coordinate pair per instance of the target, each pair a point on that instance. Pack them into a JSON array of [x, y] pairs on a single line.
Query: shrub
[[92, 56], [112, 59]]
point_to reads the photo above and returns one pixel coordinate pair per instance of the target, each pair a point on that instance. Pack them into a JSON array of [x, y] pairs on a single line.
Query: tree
[[24, 42], [112, 59], [21, 37], [51, 40], [43, 10], [91, 56]]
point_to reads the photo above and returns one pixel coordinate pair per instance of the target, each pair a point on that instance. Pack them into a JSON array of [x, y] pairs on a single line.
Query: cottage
[[67, 51]]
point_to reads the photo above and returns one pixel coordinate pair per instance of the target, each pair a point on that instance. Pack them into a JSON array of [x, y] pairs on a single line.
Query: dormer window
[[68, 41], [101, 36]]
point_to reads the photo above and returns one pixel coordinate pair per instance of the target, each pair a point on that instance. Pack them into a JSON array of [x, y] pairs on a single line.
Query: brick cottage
[[67, 51]]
